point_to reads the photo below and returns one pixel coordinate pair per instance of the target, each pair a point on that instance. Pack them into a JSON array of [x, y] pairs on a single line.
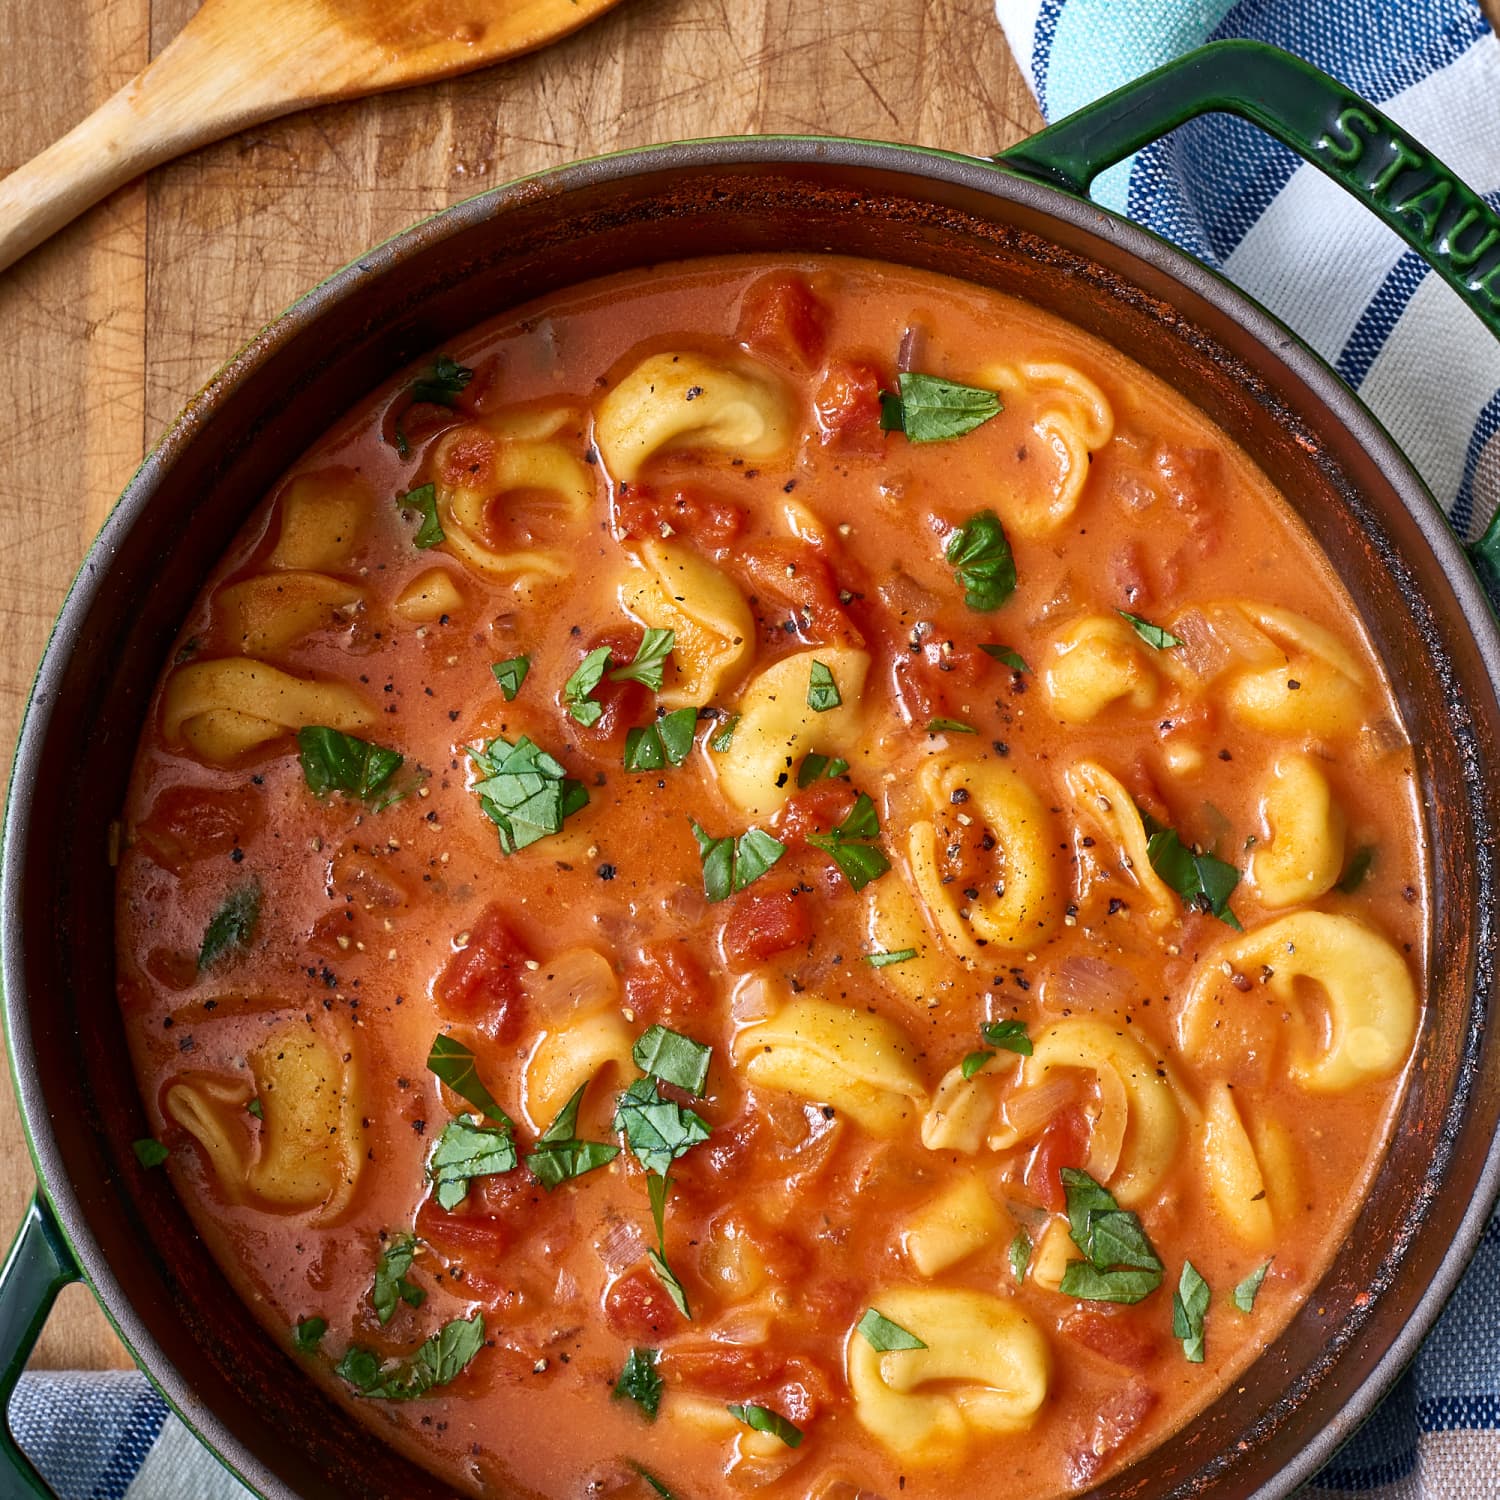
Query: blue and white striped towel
[[1420, 360]]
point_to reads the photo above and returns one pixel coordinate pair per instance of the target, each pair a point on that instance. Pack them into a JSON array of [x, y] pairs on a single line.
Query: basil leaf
[[1153, 635], [232, 926], [1088, 1284], [442, 383], [150, 1153], [1020, 1254], [669, 741], [578, 689], [1357, 869], [1202, 881], [822, 690], [1245, 1293], [649, 661], [465, 1150], [454, 1064], [510, 674], [524, 792], [256, 1108], [815, 767], [439, 1361], [982, 562], [1189, 1307], [559, 1156], [1008, 1034], [674, 1058], [657, 1189], [1012, 659], [951, 726], [423, 500], [308, 1333], [861, 821], [668, 1278], [930, 409], [639, 1381], [730, 864], [894, 956], [1121, 1264], [763, 1419], [725, 737], [974, 1062], [662, 1491], [657, 1130], [337, 762], [883, 1335], [849, 846], [391, 1285]]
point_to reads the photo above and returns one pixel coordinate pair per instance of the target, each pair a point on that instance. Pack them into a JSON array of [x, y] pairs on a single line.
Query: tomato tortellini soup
[[777, 876]]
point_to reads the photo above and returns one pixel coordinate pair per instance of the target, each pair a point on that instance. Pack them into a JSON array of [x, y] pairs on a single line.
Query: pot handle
[[1448, 224], [39, 1266]]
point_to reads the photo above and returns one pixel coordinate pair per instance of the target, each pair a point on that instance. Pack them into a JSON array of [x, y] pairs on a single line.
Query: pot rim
[[987, 177]]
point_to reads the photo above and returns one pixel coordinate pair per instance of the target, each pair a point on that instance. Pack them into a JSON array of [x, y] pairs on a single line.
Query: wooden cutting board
[[108, 329]]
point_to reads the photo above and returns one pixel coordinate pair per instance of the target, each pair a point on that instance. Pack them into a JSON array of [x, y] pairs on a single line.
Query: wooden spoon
[[238, 62]]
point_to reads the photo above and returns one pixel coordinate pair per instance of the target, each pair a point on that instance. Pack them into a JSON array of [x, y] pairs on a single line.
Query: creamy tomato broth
[[772, 875]]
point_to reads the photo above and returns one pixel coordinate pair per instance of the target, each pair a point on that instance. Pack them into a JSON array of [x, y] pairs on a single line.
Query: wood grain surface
[[108, 329]]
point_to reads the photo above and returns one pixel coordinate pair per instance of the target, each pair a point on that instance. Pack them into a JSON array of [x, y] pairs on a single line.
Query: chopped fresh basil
[[649, 662], [442, 383], [657, 1260], [1357, 869], [1153, 635], [816, 767], [454, 1064], [1121, 1265], [730, 864], [308, 1333], [673, 1058], [883, 1335], [1020, 1254], [559, 1155], [657, 1188], [973, 1062], [256, 1108], [763, 1419], [579, 688], [982, 562], [510, 674], [639, 1381], [894, 956], [850, 845], [1012, 659], [1010, 1035], [822, 690], [1203, 881], [725, 737], [657, 1130], [1189, 1307], [440, 1360], [391, 1284], [232, 926], [524, 792], [150, 1153], [1245, 1293], [423, 500], [929, 409], [669, 741], [465, 1150], [950, 726], [662, 1491], [336, 762]]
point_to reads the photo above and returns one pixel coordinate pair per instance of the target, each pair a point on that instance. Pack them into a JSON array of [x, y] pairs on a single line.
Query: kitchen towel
[[1294, 240]]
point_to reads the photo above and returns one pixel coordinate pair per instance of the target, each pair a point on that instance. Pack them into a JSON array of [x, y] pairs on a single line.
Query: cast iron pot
[[1022, 225]]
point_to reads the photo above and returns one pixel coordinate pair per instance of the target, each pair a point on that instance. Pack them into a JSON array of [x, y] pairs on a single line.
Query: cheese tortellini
[[220, 709], [320, 520], [270, 611], [953, 1226], [1097, 661], [310, 1146], [896, 925], [1236, 1183], [1301, 859], [985, 1369], [1106, 805], [988, 804], [777, 727], [1367, 990], [857, 1062], [687, 401], [672, 588]]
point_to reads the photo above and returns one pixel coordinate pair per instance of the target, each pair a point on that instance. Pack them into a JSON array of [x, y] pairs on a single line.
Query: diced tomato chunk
[[1118, 1415], [637, 1307], [1064, 1143], [1117, 1336], [847, 404], [706, 520], [763, 923], [798, 580], [623, 703], [794, 1384], [481, 983], [192, 822], [815, 809], [782, 318], [665, 982], [832, 1301]]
